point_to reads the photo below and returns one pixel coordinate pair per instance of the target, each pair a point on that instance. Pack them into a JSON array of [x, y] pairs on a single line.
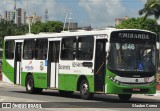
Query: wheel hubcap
[[84, 89], [30, 84]]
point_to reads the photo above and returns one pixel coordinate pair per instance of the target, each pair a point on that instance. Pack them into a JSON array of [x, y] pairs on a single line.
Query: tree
[[151, 8], [139, 23], [50, 26], [8, 28]]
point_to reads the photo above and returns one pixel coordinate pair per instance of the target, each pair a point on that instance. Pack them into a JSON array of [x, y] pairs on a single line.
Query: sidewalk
[[157, 93]]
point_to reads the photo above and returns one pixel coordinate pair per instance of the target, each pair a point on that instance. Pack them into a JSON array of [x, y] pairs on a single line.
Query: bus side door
[[17, 63], [53, 61], [100, 65]]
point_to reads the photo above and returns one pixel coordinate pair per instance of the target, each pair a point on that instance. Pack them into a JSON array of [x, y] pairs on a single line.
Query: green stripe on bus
[[69, 82], [8, 70], [40, 79]]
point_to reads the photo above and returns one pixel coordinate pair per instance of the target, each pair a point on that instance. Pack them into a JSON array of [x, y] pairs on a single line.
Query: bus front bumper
[[114, 88]]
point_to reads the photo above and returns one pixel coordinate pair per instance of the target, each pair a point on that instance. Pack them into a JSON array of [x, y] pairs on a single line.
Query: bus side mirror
[[157, 45], [107, 46], [107, 50]]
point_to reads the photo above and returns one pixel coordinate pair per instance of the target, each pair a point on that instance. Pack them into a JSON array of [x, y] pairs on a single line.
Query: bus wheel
[[66, 93], [124, 97], [30, 86], [84, 90]]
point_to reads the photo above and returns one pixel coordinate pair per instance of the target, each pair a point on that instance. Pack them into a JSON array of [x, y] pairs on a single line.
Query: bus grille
[[133, 91], [136, 84]]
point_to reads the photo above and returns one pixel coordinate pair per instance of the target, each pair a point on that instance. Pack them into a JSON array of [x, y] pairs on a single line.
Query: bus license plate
[[136, 89]]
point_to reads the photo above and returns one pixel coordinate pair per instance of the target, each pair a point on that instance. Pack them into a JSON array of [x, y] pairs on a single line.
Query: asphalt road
[[53, 96]]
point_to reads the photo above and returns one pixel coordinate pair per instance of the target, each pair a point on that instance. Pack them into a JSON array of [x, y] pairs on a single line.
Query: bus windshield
[[132, 57]]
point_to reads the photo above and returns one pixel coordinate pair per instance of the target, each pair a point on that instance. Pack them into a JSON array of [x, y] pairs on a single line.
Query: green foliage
[[50, 26], [8, 28], [151, 8], [139, 23]]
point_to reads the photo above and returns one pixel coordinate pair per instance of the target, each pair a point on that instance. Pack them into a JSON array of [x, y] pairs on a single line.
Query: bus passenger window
[[85, 48], [9, 49], [68, 48], [41, 49], [29, 49]]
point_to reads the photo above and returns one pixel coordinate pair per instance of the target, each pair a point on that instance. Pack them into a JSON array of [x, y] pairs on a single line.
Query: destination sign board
[[132, 35]]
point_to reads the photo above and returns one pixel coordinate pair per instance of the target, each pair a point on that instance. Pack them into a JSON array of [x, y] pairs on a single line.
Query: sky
[[97, 13]]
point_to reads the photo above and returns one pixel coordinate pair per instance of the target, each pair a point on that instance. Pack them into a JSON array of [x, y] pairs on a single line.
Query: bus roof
[[56, 35], [68, 33]]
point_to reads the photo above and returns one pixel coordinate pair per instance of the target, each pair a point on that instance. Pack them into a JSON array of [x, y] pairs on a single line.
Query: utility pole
[[0, 17], [15, 4], [65, 21], [46, 15], [29, 21], [15, 11], [67, 17]]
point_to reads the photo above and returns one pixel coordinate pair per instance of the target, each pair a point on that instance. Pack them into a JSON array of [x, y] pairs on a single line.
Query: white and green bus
[[110, 61]]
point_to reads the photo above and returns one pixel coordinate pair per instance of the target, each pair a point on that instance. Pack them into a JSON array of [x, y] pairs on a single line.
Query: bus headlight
[[111, 78], [114, 80]]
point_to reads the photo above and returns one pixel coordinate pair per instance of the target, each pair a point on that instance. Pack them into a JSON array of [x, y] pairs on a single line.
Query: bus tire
[[124, 97], [30, 86], [66, 93], [84, 90]]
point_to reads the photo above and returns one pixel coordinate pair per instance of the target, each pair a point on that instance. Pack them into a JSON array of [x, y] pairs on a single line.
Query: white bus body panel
[[18, 78], [75, 67], [52, 78], [35, 66]]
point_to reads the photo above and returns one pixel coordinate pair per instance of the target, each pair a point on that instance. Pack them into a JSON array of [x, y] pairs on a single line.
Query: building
[[71, 26], [33, 19], [9, 15], [74, 26], [0, 17], [119, 20], [18, 16]]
